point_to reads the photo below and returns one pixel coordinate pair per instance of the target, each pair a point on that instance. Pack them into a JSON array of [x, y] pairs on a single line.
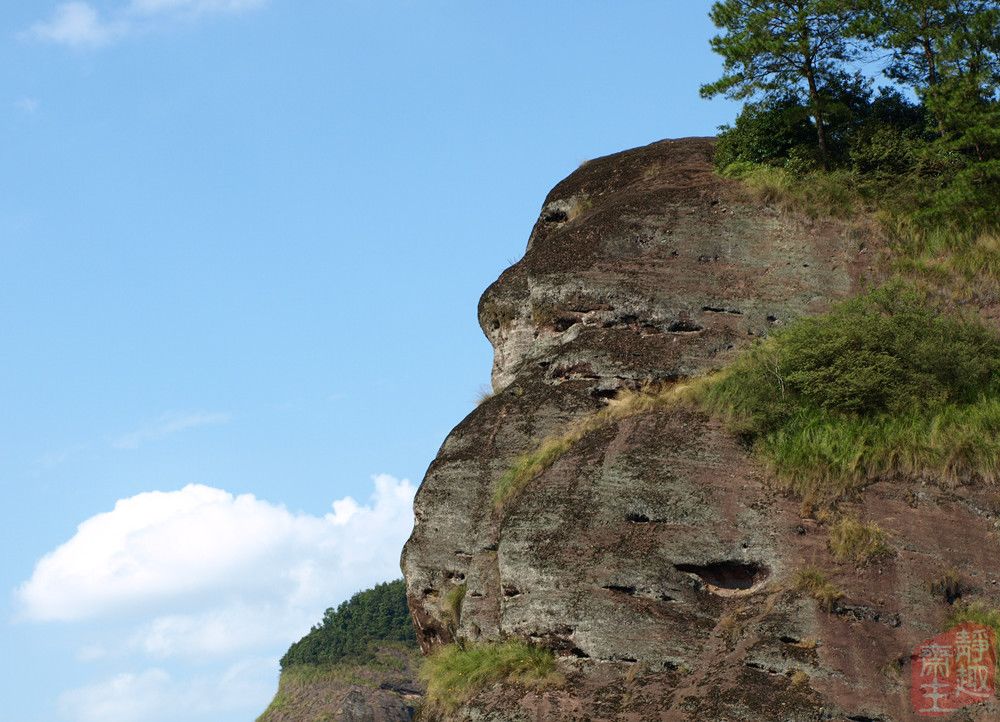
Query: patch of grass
[[800, 678], [961, 248], [628, 403], [979, 613], [851, 540], [453, 603], [814, 582], [484, 394], [730, 625], [887, 383], [824, 455], [455, 672], [816, 193], [949, 586]]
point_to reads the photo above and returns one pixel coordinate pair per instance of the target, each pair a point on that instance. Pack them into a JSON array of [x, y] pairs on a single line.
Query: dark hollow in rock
[[726, 574], [619, 588], [684, 327], [556, 217], [604, 393], [636, 518]]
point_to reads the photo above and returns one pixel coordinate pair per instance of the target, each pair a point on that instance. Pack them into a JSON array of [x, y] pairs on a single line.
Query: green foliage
[[885, 383], [453, 601], [527, 466], [887, 351], [822, 454], [931, 168], [455, 672], [979, 613], [350, 632], [781, 49], [814, 193], [851, 540], [773, 128]]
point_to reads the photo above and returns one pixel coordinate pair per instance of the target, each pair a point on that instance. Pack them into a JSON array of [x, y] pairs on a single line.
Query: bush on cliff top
[[350, 632], [885, 383]]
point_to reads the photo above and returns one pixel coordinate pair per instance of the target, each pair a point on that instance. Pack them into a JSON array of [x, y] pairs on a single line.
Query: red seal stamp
[[953, 670]]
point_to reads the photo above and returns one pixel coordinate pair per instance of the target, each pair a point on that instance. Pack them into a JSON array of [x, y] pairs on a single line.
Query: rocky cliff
[[654, 556]]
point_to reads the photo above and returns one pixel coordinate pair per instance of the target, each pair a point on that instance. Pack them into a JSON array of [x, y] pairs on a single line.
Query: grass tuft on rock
[[815, 583], [851, 540], [455, 672], [528, 466], [886, 383], [453, 601]]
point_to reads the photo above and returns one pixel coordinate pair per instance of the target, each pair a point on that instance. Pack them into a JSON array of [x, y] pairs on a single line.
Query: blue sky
[[242, 245]]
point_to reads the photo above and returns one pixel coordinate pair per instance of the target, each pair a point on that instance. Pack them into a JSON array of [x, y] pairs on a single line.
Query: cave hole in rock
[[555, 217], [683, 326], [604, 394], [621, 589], [727, 576], [637, 518], [562, 324]]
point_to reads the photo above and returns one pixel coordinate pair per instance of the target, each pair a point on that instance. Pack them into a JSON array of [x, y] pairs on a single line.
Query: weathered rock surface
[[653, 556]]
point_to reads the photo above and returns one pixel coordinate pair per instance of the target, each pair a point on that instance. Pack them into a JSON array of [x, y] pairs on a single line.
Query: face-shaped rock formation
[[653, 556]]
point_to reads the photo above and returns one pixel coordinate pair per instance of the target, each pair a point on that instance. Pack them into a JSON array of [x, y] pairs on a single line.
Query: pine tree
[[772, 48]]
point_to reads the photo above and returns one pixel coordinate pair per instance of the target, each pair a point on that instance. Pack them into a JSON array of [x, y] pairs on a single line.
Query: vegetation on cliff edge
[[352, 631], [884, 384], [922, 154], [455, 672]]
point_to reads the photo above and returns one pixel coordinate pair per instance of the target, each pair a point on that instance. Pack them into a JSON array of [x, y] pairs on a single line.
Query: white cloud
[[226, 630], [170, 423], [204, 590], [204, 549], [156, 694], [79, 24]]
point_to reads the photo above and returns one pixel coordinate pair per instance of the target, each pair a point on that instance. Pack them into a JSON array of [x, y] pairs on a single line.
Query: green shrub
[[765, 131], [352, 630], [455, 672], [886, 383]]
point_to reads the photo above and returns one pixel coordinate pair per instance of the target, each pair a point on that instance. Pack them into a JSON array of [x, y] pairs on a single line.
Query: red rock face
[[654, 556]]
